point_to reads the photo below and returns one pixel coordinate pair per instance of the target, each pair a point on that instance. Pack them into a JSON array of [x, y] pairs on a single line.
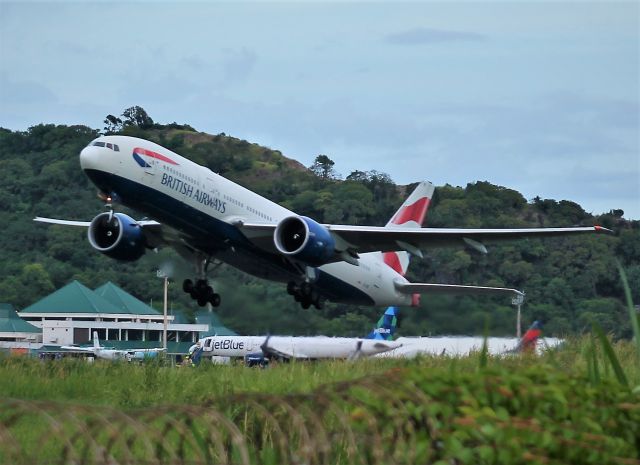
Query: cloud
[[21, 92], [238, 65], [423, 35]]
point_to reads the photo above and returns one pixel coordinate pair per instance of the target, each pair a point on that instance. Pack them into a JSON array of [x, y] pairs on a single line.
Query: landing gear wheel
[[292, 287], [306, 304], [187, 286], [202, 301], [215, 300]]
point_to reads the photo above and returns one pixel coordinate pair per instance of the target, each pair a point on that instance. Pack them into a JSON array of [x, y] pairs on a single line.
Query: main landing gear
[[201, 292], [305, 294]]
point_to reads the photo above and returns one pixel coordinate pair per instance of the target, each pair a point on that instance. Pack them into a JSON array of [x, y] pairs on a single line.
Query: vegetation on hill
[[568, 281]]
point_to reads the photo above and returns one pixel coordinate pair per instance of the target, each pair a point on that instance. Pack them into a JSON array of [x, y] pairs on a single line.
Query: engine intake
[[117, 236], [305, 240]]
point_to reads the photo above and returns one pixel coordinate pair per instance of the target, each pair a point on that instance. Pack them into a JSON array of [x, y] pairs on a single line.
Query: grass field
[[567, 406]]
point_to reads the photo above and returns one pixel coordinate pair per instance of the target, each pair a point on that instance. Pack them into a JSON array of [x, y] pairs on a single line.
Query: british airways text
[[188, 190]]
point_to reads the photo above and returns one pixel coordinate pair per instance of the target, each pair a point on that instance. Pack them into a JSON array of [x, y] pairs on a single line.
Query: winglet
[[602, 229]]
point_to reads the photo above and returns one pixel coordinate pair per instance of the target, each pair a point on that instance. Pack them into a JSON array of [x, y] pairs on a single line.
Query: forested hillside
[[567, 281]]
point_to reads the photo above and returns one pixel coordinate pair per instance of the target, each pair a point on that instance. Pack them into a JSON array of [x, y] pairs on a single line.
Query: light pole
[[517, 301], [162, 274]]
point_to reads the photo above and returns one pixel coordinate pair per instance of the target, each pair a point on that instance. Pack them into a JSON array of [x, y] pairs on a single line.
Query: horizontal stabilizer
[[454, 289]]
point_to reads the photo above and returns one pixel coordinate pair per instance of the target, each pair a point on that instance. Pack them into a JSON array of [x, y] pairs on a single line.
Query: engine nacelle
[[305, 240], [117, 236]]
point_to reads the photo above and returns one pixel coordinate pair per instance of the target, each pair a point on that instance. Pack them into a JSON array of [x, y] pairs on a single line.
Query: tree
[[323, 167], [136, 116], [113, 125]]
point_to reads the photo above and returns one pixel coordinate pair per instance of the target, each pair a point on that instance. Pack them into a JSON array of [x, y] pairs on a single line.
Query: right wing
[[155, 233], [85, 224]]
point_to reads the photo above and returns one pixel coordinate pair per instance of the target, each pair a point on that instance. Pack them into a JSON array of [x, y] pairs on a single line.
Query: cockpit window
[[108, 145]]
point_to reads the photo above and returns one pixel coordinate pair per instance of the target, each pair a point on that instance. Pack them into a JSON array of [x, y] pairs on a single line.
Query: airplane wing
[[361, 239], [273, 351], [428, 288], [85, 224], [78, 349], [155, 233]]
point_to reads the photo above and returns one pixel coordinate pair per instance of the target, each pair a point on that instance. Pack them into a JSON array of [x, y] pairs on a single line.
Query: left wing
[[362, 239]]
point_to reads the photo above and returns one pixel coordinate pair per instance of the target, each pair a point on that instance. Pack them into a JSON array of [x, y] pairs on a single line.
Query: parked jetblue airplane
[[258, 349], [209, 219]]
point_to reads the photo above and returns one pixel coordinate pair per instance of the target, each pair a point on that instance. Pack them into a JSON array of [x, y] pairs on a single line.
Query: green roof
[[216, 328], [124, 301], [10, 322], [73, 298]]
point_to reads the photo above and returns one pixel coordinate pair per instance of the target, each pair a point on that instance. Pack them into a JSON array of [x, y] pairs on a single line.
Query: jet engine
[[117, 236], [305, 240]]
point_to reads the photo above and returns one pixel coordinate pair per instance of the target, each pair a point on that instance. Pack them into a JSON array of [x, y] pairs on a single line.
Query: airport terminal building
[[73, 313]]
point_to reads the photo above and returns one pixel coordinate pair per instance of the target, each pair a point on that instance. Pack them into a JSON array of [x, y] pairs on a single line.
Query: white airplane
[[209, 219], [298, 347], [458, 346], [293, 347], [115, 354]]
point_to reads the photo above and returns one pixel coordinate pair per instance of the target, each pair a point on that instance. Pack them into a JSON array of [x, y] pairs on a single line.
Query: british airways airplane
[[209, 220]]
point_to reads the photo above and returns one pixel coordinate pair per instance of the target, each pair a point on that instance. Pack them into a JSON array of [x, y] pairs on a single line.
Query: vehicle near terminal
[[115, 354], [209, 220]]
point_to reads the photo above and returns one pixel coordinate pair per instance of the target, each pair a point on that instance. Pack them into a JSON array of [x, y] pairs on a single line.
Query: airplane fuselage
[[313, 347], [209, 210]]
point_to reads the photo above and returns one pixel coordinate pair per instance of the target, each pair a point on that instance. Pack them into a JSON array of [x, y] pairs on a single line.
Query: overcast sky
[[540, 97]]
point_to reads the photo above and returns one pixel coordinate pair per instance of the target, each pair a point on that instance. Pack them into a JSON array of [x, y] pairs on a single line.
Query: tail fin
[[96, 342], [411, 214], [386, 325], [529, 340]]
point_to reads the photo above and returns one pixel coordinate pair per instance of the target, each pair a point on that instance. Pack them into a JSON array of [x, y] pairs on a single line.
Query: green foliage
[[567, 280], [432, 410]]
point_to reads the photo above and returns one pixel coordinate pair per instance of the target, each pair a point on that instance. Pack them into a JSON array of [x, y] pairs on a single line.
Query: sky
[[541, 97]]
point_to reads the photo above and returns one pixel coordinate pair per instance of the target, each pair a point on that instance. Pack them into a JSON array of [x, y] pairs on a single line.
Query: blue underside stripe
[[209, 234]]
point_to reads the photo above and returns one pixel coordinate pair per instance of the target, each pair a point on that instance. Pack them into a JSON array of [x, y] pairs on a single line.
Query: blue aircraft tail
[[386, 325]]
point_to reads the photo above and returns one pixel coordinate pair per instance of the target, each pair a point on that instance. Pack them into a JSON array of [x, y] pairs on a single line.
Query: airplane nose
[[89, 157]]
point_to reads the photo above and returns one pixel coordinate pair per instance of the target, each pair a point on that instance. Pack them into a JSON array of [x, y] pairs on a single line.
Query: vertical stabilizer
[[96, 342], [529, 340], [410, 215], [386, 325]]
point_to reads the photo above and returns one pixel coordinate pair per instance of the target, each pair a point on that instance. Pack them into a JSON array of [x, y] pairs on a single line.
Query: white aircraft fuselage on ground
[[459, 346], [207, 218], [299, 347], [116, 354]]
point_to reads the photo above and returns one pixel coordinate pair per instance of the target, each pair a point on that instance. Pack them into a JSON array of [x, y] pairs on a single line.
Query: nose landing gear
[[201, 292]]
